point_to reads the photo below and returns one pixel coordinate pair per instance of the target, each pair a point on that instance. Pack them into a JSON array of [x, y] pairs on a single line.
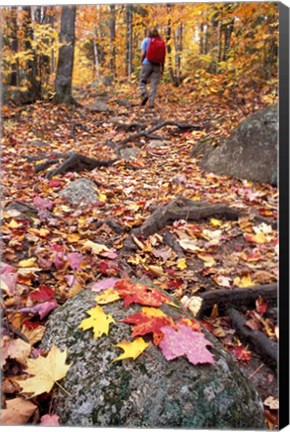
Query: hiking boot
[[144, 100]]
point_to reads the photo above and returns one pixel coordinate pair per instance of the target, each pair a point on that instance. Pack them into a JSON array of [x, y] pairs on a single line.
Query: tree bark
[[34, 88], [129, 39], [113, 40], [14, 77], [63, 82]]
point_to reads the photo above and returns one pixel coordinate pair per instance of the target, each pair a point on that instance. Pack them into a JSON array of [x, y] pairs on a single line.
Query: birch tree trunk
[[63, 81]]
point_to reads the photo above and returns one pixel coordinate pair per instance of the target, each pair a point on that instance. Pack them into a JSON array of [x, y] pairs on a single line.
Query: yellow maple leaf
[[46, 370], [96, 248], [102, 197], [108, 296], [131, 349], [215, 222], [153, 312], [98, 320], [27, 263], [244, 282], [181, 263], [14, 224]]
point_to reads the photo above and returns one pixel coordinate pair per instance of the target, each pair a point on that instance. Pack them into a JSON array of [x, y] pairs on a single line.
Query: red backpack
[[156, 51]]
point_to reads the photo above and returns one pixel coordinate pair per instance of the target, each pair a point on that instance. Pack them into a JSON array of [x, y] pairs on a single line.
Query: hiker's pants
[[149, 72]]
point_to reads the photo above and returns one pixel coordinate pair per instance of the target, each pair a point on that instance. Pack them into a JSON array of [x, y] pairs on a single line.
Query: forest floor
[[216, 253]]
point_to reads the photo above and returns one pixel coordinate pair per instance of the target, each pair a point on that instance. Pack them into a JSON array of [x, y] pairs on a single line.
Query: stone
[[129, 153], [81, 191], [98, 106], [251, 150], [148, 392], [155, 144]]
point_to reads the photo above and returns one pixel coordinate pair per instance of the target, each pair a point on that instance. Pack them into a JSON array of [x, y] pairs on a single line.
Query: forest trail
[[186, 258]]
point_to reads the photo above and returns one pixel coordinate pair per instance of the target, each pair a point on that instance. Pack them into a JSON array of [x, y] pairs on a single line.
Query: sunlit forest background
[[218, 50]]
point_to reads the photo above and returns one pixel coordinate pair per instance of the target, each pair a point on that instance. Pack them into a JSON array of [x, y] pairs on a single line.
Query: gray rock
[[155, 144], [80, 191], [149, 391], [251, 151], [129, 153], [98, 106]]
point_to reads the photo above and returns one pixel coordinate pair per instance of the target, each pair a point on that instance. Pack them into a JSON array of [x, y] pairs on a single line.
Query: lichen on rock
[[149, 391]]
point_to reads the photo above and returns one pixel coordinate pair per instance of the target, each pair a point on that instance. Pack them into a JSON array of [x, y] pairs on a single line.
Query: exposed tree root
[[182, 208], [237, 297], [259, 342], [148, 133], [73, 162]]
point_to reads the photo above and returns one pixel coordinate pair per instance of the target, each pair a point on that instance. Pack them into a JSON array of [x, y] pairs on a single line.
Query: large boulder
[[147, 392], [251, 150]]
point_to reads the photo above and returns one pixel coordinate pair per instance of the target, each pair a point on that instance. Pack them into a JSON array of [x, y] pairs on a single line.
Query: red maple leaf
[[150, 320], [139, 293], [42, 294], [186, 342]]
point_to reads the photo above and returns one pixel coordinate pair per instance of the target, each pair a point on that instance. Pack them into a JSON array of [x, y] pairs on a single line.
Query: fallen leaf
[[272, 402], [27, 263], [108, 296], [193, 304], [156, 270], [17, 412], [181, 263], [244, 281], [259, 238], [49, 420], [42, 309], [104, 284], [189, 245], [139, 293], [96, 248], [185, 342], [149, 320], [42, 294], [98, 320], [16, 349], [131, 349], [46, 370], [33, 334]]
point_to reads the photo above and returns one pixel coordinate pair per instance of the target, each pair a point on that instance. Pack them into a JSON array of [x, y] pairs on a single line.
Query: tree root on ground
[[259, 342], [73, 162], [182, 208], [237, 297], [148, 133]]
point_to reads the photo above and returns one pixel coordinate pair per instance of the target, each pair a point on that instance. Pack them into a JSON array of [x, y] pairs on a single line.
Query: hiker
[[152, 58]]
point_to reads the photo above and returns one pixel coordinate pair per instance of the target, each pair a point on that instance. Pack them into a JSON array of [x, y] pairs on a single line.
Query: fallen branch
[[237, 297], [259, 342]]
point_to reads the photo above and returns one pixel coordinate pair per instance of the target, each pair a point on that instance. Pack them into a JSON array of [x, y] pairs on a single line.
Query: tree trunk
[[34, 88], [113, 40], [129, 39], [14, 77], [96, 54], [169, 51], [178, 48], [63, 81], [229, 28]]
